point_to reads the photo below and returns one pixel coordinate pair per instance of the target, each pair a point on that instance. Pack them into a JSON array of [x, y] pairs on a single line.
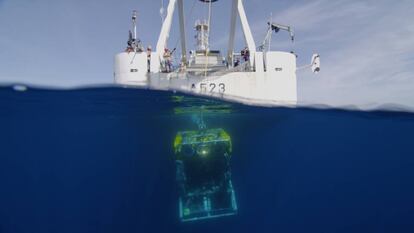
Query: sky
[[366, 46]]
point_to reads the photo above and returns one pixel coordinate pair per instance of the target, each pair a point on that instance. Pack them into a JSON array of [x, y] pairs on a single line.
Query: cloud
[[366, 47]]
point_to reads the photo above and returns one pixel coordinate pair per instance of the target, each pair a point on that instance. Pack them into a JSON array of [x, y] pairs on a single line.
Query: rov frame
[[203, 174]]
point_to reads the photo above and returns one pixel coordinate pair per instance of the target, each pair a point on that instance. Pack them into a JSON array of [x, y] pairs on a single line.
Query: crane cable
[[208, 38]]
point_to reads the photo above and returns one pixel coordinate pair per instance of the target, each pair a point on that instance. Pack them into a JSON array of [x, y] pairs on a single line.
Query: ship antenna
[[133, 41], [134, 25]]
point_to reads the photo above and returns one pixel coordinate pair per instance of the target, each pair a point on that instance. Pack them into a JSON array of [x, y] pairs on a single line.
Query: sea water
[[102, 160]]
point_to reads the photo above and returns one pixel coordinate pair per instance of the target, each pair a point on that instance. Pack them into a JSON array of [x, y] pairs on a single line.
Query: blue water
[[101, 160]]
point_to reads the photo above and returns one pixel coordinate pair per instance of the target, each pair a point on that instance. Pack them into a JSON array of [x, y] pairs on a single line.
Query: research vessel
[[256, 76]]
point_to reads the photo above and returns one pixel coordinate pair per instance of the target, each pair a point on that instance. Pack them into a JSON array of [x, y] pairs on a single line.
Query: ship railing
[[244, 67]]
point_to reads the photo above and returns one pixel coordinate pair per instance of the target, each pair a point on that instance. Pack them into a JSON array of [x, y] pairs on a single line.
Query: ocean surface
[[101, 160]]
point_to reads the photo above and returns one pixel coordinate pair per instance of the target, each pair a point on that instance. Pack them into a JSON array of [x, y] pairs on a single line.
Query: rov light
[[203, 150]]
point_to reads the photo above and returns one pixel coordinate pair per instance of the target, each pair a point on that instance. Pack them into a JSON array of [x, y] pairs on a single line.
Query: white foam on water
[[19, 88]]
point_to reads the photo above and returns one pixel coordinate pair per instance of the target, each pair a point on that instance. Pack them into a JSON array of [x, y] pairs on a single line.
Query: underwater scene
[[113, 159]]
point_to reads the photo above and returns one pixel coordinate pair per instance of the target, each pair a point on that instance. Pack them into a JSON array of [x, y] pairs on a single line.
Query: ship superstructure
[[257, 75]]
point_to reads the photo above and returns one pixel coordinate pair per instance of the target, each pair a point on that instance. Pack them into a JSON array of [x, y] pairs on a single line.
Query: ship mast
[[202, 28], [134, 25], [133, 42], [237, 10]]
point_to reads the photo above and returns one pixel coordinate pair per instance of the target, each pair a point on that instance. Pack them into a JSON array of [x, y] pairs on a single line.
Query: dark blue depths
[[101, 160]]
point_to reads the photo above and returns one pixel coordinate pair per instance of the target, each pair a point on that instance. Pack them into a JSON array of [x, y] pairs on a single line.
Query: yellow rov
[[203, 174]]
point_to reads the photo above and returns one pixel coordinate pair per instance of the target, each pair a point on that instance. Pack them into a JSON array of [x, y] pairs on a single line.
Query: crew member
[[167, 60], [237, 62], [245, 54], [149, 51], [129, 47]]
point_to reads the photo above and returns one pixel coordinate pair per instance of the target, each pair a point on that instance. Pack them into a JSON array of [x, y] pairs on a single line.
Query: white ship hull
[[275, 86]]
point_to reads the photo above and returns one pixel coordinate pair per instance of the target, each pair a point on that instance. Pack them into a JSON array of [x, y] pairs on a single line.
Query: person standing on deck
[[167, 60], [149, 51], [245, 54]]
